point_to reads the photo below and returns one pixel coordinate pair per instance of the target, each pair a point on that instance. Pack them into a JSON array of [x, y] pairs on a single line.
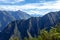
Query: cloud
[[11, 1], [37, 8]]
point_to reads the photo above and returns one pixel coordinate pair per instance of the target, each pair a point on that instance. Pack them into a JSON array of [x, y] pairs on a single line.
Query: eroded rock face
[[7, 31], [31, 26], [34, 24], [7, 17], [11, 31], [51, 19], [7, 22]]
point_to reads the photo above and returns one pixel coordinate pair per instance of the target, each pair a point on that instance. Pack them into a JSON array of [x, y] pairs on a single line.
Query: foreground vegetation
[[53, 34]]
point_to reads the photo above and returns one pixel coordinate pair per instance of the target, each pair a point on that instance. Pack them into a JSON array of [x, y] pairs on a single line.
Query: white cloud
[[11, 1], [38, 8], [18, 0]]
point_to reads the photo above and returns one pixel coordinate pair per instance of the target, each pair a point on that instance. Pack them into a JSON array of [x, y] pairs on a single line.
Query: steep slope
[[51, 19], [11, 31], [34, 24], [19, 14], [7, 16], [31, 25], [8, 31], [26, 28]]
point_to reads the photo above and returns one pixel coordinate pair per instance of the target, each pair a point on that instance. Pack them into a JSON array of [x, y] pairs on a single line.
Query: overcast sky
[[31, 6]]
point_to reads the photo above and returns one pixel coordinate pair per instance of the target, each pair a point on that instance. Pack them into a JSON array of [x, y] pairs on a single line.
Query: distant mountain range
[[7, 17], [27, 24]]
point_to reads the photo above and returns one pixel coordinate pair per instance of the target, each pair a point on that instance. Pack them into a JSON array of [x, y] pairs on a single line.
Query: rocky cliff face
[[34, 24], [51, 19], [31, 26], [7, 17]]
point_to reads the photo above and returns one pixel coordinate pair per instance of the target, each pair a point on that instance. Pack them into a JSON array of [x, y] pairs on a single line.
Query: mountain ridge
[[7, 16], [34, 24]]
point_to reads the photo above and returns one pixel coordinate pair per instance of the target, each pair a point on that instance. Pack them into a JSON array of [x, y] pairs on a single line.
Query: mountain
[[50, 19], [31, 26], [4, 19], [23, 26], [7, 17], [7, 31], [19, 14], [11, 31], [34, 24]]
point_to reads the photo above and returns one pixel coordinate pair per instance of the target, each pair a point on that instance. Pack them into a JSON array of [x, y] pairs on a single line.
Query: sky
[[41, 7]]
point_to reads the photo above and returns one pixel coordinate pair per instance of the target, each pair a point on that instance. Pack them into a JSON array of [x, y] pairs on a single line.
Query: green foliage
[[53, 34], [14, 38]]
